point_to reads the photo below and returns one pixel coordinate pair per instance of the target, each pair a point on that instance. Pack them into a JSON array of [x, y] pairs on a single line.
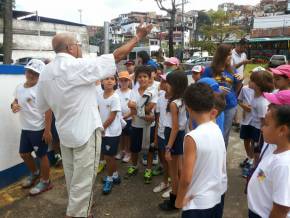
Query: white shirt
[[246, 96], [30, 116], [106, 106], [137, 98], [182, 120], [124, 97], [258, 111], [238, 58], [161, 109], [270, 183], [207, 186], [67, 86]]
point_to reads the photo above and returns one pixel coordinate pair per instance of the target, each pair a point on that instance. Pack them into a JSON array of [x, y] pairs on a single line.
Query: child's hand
[[47, 137], [15, 108], [238, 77], [247, 108], [132, 105], [181, 204], [168, 156]]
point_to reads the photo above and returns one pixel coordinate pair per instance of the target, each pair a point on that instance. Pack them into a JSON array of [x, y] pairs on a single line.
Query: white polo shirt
[[238, 58], [182, 119], [67, 86], [161, 109]]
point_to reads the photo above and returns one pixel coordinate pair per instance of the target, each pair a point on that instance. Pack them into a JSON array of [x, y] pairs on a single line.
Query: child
[[244, 100], [124, 93], [200, 189], [269, 186], [160, 137], [110, 111], [196, 72], [281, 77], [35, 127], [142, 103], [175, 124], [260, 81]]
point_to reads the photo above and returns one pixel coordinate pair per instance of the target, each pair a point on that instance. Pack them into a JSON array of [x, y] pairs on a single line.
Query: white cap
[[259, 68], [35, 65], [198, 69]]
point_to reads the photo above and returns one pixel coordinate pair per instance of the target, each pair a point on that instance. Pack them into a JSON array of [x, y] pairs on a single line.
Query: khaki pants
[[80, 165]]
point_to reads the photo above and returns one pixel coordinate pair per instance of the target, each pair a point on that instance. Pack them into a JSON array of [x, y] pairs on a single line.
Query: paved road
[[132, 199]]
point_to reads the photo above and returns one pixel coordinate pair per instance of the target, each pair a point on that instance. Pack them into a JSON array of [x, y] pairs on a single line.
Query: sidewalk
[[132, 199]]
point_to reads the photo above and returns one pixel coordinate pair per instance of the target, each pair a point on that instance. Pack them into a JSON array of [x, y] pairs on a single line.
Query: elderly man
[[67, 86]]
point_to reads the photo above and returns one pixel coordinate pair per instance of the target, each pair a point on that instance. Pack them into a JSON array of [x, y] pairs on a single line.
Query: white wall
[[9, 123], [272, 22]]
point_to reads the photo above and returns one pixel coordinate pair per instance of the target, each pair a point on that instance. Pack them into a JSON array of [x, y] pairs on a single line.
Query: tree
[[6, 7], [220, 27], [172, 13]]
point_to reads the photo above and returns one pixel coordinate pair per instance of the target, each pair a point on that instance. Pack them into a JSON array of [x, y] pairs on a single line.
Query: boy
[[35, 134], [201, 180]]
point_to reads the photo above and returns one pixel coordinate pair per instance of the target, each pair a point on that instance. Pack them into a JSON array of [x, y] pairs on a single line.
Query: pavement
[[131, 199]]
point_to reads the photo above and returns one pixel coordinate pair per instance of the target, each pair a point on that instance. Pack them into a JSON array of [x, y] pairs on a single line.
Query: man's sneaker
[[147, 176], [126, 158], [30, 181], [117, 180], [243, 164], [58, 160], [166, 194], [161, 187], [158, 170], [107, 187], [144, 160], [40, 188], [155, 158], [101, 167], [132, 171], [119, 156]]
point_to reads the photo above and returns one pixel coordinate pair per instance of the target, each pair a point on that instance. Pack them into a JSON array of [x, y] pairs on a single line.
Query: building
[[32, 34]]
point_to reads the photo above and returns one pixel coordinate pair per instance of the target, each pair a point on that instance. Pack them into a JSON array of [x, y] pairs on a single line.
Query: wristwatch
[[168, 148]]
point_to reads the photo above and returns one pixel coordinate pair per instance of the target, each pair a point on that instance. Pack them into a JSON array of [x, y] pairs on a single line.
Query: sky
[[95, 12]]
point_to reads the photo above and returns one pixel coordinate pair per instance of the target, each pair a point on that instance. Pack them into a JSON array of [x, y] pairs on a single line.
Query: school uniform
[[270, 183], [32, 122], [142, 131], [161, 110], [177, 148], [207, 184], [124, 98], [111, 137]]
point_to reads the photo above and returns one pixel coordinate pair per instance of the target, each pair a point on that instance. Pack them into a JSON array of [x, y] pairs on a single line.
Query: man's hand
[[47, 137], [15, 107], [142, 31]]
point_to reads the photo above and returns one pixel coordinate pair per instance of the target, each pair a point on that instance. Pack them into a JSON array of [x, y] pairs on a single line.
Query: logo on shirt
[[261, 175], [35, 148], [108, 147], [126, 99]]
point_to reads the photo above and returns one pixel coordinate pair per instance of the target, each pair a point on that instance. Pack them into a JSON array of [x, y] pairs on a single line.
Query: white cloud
[[95, 12]]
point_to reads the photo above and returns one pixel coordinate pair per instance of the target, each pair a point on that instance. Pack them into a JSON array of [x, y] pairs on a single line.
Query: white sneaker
[[126, 158], [119, 156], [166, 194], [161, 187]]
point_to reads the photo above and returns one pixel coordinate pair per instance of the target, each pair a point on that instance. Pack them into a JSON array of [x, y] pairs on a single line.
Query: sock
[[36, 173], [149, 170], [110, 178], [115, 175], [251, 161]]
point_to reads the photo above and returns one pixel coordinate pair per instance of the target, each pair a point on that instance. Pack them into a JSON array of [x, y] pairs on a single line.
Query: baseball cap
[[163, 76], [211, 82], [35, 65], [279, 98], [259, 68], [124, 75], [172, 61], [281, 70], [198, 69], [129, 62]]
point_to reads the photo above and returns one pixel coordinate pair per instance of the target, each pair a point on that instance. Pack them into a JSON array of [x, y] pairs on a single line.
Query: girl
[[110, 111], [260, 81], [124, 93], [281, 77], [142, 103], [269, 186], [174, 123]]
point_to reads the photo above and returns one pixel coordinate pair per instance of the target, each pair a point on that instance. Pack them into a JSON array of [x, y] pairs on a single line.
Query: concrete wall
[[28, 42], [272, 22]]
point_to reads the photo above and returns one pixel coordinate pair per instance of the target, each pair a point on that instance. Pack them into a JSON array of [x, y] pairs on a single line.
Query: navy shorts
[[128, 128], [200, 213], [137, 138], [161, 144], [110, 145], [250, 132], [253, 215], [55, 137], [32, 141], [177, 148]]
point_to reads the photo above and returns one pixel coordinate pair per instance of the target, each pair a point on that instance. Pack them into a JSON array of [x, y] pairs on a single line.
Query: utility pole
[[80, 11], [182, 27], [106, 38]]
